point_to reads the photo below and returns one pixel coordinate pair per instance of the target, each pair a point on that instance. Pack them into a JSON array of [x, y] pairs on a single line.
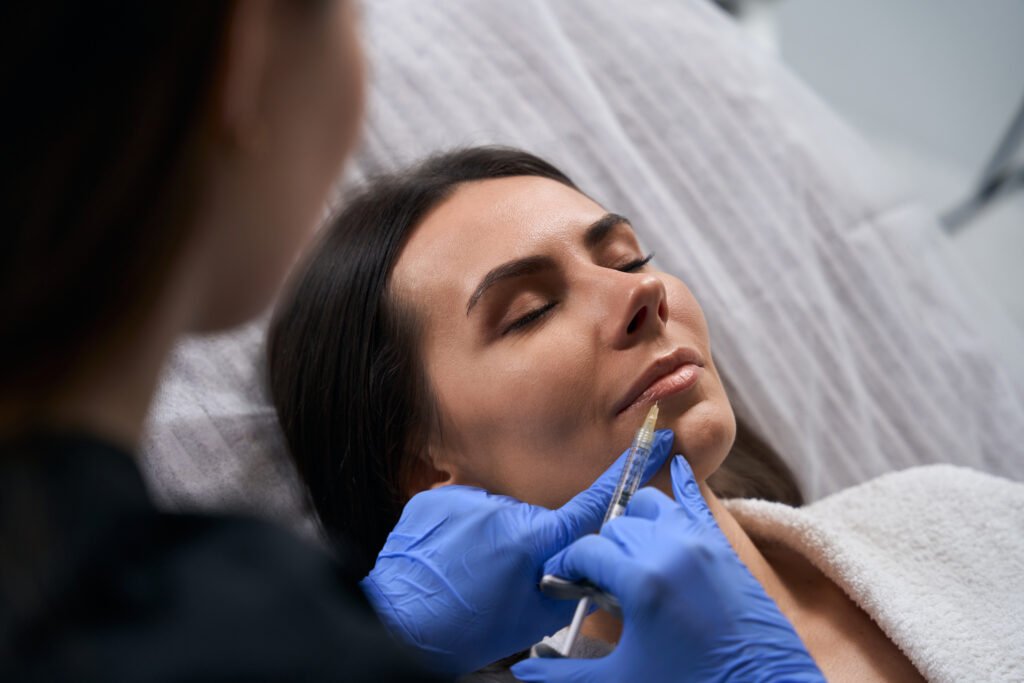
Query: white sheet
[[848, 334]]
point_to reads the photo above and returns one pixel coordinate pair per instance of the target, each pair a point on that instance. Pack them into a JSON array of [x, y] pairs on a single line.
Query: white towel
[[935, 555]]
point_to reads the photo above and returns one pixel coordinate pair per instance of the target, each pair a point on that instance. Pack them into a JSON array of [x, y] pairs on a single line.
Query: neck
[[748, 552], [111, 401], [112, 396]]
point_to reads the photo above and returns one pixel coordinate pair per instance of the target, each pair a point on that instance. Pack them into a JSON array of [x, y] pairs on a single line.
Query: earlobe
[[447, 481], [425, 473], [239, 113]]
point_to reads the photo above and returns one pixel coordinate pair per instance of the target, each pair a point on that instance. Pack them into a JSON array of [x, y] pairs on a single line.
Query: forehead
[[484, 224]]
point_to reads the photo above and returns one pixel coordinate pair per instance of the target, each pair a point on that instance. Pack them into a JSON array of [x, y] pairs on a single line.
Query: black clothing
[[96, 583]]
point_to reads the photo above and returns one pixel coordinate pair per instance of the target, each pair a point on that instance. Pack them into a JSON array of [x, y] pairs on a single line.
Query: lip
[[670, 374]]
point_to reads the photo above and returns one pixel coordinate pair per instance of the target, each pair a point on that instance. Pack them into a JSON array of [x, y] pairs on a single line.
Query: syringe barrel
[[633, 471], [629, 482]]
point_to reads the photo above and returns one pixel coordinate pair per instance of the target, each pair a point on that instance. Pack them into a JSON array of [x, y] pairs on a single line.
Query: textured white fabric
[[935, 555], [847, 335]]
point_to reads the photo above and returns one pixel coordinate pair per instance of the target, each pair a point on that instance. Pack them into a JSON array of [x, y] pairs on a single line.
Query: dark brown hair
[[102, 110], [345, 369]]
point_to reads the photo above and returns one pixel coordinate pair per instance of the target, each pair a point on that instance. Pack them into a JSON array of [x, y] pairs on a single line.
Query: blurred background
[[937, 87]]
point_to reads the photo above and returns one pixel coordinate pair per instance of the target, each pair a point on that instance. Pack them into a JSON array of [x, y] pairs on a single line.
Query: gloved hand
[[457, 578], [691, 609]]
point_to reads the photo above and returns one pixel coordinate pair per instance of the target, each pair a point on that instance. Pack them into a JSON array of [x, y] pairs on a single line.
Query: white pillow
[[849, 339]]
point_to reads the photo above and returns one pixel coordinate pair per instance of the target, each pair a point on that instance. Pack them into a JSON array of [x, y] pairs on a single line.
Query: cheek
[[342, 89], [515, 416], [685, 311], [251, 262], [705, 434], [318, 116]]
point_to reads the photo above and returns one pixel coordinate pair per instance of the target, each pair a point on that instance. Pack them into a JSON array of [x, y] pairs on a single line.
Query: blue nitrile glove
[[691, 609], [457, 578]]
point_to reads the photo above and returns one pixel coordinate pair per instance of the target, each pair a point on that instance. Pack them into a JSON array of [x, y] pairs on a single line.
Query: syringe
[[629, 482]]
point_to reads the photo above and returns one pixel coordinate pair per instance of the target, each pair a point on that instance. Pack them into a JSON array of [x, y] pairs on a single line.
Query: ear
[[243, 74], [425, 473]]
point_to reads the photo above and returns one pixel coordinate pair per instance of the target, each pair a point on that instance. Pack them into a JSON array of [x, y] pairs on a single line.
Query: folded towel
[[935, 555]]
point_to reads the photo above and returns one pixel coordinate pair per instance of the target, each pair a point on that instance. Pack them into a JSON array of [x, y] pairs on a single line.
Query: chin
[[704, 435]]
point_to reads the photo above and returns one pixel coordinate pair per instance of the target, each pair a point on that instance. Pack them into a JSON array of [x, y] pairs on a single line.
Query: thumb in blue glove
[[457, 578], [691, 609]]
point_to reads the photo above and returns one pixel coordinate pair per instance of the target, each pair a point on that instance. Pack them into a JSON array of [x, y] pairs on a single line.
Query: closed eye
[[637, 264], [530, 318], [538, 313]]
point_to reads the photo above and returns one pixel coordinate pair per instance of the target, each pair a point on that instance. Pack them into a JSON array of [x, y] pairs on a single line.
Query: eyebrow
[[600, 228], [594, 235]]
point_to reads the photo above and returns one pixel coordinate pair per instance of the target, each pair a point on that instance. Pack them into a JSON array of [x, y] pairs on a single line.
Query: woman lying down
[[525, 335]]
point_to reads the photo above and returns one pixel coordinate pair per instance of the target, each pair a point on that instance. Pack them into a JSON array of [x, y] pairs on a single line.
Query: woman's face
[[547, 338]]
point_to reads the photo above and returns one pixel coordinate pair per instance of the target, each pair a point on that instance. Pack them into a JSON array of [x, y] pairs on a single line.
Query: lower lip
[[676, 382]]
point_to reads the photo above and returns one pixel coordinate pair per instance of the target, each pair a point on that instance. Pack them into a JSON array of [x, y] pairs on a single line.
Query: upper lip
[[663, 365]]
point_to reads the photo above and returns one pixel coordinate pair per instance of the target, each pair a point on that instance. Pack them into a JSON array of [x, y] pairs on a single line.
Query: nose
[[643, 311]]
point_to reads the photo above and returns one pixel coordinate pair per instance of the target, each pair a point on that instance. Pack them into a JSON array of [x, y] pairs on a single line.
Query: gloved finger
[[600, 559], [450, 491], [455, 496], [687, 491], [567, 670], [649, 503], [585, 512], [633, 535]]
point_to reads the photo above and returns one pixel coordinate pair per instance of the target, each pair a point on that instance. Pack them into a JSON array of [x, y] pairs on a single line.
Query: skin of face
[[286, 116], [530, 409]]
